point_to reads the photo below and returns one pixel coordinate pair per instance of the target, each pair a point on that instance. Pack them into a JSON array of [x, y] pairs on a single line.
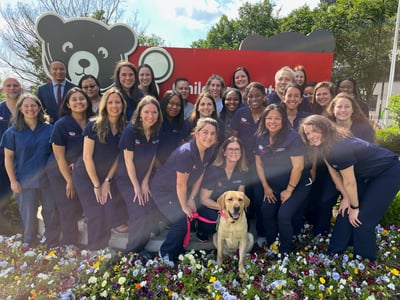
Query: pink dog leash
[[200, 218]]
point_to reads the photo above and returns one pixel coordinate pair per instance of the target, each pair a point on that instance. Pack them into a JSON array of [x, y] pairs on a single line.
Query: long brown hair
[[19, 121], [331, 133], [102, 124], [136, 120], [196, 114]]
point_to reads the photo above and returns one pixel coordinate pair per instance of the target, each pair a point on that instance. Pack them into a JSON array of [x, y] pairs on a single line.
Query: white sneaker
[[261, 241], [165, 259]]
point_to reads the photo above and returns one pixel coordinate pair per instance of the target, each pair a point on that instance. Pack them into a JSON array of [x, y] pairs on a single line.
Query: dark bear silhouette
[[85, 45], [317, 41]]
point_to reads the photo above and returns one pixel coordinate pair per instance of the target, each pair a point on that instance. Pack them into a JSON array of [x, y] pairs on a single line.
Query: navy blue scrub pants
[[255, 192], [323, 213], [100, 218], [279, 218], [205, 229], [28, 202], [140, 217], [374, 196], [168, 204], [69, 210]]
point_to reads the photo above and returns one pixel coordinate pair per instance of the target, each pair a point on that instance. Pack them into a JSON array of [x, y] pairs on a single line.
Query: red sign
[[197, 65]]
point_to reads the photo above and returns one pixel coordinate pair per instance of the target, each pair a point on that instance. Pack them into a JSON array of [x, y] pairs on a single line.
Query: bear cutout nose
[[84, 63]]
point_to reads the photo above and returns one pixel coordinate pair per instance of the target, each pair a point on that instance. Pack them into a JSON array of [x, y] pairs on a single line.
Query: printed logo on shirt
[[155, 141], [280, 149], [261, 149], [238, 181], [244, 121], [1, 118], [137, 142], [71, 133]]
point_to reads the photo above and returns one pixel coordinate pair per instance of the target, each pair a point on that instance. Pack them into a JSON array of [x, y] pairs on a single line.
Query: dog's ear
[[246, 200], [221, 201]]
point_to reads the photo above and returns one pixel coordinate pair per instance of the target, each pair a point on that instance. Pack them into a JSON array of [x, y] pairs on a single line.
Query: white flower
[[92, 279], [30, 253], [104, 294], [42, 276], [121, 280]]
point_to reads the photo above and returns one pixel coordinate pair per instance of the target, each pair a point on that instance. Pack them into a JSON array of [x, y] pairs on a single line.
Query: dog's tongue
[[235, 216]]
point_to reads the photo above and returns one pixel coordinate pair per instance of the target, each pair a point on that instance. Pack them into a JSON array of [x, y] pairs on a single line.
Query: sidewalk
[[119, 240]]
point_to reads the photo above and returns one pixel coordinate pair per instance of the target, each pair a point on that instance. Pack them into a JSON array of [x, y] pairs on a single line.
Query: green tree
[[252, 19], [364, 35], [300, 20], [152, 40], [363, 31], [21, 48]]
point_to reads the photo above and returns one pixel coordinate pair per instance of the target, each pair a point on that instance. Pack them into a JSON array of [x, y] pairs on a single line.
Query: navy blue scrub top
[[5, 117], [185, 159], [277, 164], [104, 154], [369, 160], [144, 151], [171, 136], [31, 152], [68, 133], [244, 124], [215, 180]]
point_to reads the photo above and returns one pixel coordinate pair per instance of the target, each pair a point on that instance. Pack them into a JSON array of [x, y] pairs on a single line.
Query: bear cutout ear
[[47, 24], [124, 38]]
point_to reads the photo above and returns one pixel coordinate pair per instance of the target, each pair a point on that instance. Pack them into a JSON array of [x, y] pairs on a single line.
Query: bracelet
[[96, 187], [354, 207], [292, 186]]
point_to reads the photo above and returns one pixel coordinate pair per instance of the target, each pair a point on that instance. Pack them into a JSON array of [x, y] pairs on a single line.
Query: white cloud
[[286, 6]]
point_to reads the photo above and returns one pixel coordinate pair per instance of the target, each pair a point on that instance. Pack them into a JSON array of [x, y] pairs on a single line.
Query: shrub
[[389, 138], [392, 216], [394, 108]]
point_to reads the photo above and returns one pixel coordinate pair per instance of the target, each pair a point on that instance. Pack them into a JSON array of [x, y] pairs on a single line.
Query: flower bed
[[305, 274]]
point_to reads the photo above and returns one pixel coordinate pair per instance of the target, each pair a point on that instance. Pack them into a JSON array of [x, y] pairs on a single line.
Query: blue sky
[[180, 22]]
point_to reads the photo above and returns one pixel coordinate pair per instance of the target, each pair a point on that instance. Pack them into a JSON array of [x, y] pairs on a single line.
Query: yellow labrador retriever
[[232, 231]]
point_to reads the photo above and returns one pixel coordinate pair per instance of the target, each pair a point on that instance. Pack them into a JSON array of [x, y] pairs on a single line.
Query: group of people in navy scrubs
[[138, 163]]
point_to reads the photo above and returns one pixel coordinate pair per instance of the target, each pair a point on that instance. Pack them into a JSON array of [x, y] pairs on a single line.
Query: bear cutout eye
[[103, 52], [67, 46]]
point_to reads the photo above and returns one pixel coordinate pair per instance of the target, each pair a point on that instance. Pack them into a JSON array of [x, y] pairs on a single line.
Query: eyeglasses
[[86, 87], [233, 150]]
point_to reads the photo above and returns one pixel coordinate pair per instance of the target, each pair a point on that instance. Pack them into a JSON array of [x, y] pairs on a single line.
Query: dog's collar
[[221, 213]]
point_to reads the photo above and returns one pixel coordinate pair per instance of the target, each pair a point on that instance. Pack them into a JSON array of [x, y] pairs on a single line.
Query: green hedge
[[392, 215], [389, 138]]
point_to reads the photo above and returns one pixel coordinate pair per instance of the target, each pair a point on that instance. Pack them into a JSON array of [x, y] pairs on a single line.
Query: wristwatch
[[108, 179]]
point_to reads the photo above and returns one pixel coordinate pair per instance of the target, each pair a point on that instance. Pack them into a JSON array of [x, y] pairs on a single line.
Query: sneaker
[[165, 259], [261, 241], [123, 228]]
